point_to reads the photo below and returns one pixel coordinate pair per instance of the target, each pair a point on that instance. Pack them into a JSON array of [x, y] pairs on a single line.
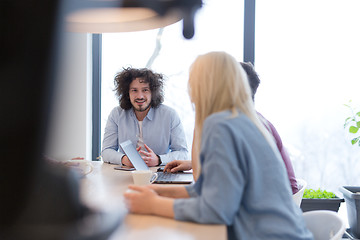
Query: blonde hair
[[217, 82]]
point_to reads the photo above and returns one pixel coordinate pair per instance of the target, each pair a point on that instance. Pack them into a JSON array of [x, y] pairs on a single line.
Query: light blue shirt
[[243, 184], [162, 131]]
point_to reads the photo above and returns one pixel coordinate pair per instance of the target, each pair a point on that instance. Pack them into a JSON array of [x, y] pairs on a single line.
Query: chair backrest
[[299, 195], [324, 224]]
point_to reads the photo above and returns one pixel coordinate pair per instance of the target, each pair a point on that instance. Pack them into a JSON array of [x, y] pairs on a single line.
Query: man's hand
[[150, 158], [178, 165], [125, 161]]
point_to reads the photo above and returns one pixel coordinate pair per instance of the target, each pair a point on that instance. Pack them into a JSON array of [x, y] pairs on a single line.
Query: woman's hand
[[178, 165], [169, 191], [140, 200], [144, 200]]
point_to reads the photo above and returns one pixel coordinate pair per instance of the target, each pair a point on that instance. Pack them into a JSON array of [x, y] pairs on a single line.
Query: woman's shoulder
[[218, 116], [229, 123], [224, 117]]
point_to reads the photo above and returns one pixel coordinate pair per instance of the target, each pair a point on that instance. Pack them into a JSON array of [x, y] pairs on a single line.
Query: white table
[[103, 188]]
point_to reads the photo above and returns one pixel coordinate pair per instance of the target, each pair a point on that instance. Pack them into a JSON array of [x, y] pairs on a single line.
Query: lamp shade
[[117, 19]]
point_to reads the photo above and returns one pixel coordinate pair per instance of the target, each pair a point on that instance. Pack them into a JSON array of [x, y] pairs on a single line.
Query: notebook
[[139, 164]]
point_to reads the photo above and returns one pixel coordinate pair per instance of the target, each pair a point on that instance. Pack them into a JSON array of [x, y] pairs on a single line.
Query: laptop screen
[[133, 155], [139, 164]]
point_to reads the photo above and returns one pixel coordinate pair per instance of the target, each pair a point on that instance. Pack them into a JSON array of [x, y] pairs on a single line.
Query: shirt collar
[[149, 115]]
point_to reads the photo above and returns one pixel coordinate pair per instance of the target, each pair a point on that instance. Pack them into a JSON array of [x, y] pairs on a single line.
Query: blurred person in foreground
[[242, 180]]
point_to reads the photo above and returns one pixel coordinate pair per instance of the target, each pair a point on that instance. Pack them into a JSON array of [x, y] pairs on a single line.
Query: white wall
[[70, 128]]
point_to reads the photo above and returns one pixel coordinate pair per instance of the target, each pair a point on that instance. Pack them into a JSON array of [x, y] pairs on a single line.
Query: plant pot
[[311, 204], [352, 199]]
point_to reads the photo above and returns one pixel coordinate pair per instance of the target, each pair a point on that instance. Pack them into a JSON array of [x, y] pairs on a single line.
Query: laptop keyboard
[[166, 176], [180, 178]]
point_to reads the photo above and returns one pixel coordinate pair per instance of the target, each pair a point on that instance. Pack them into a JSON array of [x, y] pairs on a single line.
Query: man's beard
[[142, 109]]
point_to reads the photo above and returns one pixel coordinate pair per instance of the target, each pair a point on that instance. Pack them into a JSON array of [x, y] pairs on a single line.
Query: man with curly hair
[[153, 127]]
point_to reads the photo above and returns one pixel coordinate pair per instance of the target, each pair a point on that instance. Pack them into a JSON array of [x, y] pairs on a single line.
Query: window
[[307, 55], [166, 51]]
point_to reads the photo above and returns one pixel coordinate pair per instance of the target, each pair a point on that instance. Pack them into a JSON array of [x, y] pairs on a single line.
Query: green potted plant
[[352, 193], [352, 124], [320, 200]]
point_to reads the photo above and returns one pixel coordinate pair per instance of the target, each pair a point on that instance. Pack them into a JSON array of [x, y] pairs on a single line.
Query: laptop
[[163, 177]]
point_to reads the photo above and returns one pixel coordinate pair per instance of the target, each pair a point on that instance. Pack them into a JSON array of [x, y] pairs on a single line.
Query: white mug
[[143, 177]]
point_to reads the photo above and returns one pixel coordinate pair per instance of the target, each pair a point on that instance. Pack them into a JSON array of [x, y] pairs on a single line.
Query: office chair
[[324, 224]]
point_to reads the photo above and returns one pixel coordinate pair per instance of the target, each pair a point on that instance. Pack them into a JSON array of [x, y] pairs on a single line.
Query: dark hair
[[253, 77], [124, 78]]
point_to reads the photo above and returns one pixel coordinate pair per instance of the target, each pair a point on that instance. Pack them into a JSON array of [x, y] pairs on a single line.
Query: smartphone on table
[[124, 168]]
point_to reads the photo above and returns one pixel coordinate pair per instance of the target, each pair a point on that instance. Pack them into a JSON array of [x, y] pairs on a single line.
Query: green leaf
[[355, 140], [353, 129], [348, 120], [358, 124], [358, 113]]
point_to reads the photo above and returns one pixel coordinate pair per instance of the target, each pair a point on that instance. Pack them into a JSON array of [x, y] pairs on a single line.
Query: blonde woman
[[242, 181]]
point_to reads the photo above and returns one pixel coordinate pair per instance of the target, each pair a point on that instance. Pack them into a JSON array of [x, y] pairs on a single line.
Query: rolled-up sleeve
[[220, 179], [110, 153], [178, 146]]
